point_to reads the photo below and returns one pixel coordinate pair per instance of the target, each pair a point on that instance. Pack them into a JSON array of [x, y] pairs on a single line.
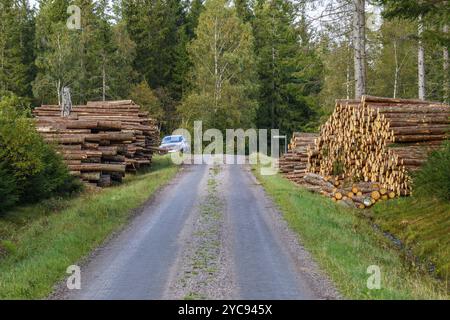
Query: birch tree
[[421, 61], [223, 77], [445, 68]]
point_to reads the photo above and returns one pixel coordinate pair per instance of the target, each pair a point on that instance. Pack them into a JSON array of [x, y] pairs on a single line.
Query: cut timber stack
[[379, 141], [101, 140], [293, 164], [360, 194]]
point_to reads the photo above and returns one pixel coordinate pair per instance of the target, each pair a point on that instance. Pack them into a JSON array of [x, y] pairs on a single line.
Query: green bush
[[434, 178], [30, 165], [53, 179], [8, 191]]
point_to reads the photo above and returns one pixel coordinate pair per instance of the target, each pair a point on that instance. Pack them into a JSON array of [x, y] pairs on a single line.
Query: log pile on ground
[[379, 141], [293, 164], [100, 141]]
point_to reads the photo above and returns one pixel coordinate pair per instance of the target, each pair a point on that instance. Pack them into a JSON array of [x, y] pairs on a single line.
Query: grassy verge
[[38, 243], [345, 245], [422, 224]]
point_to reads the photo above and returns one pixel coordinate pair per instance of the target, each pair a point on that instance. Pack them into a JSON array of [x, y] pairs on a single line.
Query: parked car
[[175, 144]]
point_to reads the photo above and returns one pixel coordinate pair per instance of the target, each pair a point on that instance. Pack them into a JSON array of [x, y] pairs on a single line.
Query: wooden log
[[91, 176], [419, 138], [98, 167], [421, 130]]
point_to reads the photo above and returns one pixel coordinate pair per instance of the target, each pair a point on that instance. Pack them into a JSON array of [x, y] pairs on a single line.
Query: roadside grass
[[423, 226], [39, 242], [344, 244]]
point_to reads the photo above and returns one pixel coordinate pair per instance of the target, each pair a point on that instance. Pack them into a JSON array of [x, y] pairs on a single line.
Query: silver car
[[175, 144]]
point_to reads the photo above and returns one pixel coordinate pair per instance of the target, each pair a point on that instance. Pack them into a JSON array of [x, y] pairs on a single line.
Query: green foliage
[[338, 81], [8, 188], [422, 224], [16, 47], [95, 62], [31, 169], [195, 9], [436, 13], [288, 68], [153, 26], [344, 243], [223, 80], [144, 96], [38, 241], [394, 72], [434, 177], [161, 30]]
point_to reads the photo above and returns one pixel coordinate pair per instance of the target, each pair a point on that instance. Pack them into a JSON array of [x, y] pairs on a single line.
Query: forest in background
[[266, 64]]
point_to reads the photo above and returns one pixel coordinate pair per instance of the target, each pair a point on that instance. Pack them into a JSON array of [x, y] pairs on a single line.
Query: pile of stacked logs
[[100, 141], [378, 142], [294, 163], [357, 194]]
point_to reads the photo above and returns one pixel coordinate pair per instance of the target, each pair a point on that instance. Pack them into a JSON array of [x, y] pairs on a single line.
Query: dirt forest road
[[211, 234]]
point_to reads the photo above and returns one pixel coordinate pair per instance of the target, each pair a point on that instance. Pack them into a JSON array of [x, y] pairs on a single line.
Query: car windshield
[[172, 139]]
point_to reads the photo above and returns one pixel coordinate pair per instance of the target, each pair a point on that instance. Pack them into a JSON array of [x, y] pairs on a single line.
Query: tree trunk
[[397, 69], [347, 87], [446, 64], [421, 62], [359, 43], [103, 81]]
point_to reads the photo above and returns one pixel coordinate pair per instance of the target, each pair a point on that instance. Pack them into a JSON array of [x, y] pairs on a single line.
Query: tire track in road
[[135, 263], [203, 270], [212, 233]]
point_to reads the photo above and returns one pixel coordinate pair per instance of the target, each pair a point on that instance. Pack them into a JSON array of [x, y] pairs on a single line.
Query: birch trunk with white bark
[[421, 62], [445, 67]]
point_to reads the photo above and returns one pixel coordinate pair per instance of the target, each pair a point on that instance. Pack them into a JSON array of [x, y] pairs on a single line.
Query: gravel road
[[211, 234]]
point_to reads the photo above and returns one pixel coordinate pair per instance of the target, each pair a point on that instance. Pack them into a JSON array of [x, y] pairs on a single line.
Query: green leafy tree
[[58, 52], [338, 75], [95, 61], [112, 52], [223, 79], [436, 13], [394, 72], [144, 96]]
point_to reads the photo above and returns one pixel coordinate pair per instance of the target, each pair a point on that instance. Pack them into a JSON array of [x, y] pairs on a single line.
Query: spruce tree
[[16, 47], [288, 69]]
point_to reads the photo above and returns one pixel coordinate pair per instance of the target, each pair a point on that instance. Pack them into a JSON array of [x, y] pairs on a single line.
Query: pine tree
[[243, 10], [288, 69], [16, 47], [223, 80], [154, 26], [195, 9], [161, 30]]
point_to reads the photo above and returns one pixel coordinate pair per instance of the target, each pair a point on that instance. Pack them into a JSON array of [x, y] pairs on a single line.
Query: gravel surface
[[211, 234]]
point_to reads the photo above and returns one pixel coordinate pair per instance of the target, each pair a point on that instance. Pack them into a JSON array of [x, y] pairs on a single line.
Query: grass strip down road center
[[345, 244], [39, 242]]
